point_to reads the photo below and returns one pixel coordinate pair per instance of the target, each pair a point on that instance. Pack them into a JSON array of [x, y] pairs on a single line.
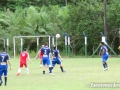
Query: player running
[[105, 55], [40, 54], [46, 58], [4, 61], [23, 61], [56, 58]]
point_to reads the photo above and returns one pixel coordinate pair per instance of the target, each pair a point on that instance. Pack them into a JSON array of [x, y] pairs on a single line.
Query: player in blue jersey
[[4, 61], [56, 58], [46, 58], [105, 55]]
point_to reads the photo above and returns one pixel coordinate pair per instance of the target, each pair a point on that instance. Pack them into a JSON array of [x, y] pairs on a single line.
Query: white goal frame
[[21, 37]]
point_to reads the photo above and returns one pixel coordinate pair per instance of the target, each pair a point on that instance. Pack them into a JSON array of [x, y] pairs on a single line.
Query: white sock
[[27, 70], [19, 70]]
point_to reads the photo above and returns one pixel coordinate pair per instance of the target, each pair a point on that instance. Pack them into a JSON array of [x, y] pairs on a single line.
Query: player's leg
[[19, 69], [50, 69], [5, 76], [106, 65], [50, 66], [61, 67], [27, 69], [41, 61], [106, 62], [0, 80], [103, 62], [44, 63], [0, 77]]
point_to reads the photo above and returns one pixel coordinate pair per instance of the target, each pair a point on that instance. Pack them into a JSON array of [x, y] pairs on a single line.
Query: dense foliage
[[45, 17]]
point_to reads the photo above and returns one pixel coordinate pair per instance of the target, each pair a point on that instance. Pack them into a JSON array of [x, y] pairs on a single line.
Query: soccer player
[[56, 58], [40, 54], [105, 55], [46, 58], [23, 61], [4, 61]]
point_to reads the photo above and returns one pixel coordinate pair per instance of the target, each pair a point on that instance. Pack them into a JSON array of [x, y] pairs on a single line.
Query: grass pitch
[[80, 74]]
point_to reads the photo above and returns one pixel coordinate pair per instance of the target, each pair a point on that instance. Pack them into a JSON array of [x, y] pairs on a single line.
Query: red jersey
[[23, 57]]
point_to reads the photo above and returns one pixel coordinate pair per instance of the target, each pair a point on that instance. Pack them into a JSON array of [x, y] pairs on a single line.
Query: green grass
[[81, 72]]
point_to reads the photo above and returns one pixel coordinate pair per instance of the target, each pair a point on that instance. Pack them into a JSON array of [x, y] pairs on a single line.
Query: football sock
[[106, 65], [0, 80], [50, 69], [19, 70], [43, 72], [5, 81], [61, 68], [27, 70]]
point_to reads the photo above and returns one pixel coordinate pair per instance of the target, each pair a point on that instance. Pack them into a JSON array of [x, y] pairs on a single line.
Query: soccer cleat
[[105, 69], [17, 74], [52, 74], [63, 71], [43, 74]]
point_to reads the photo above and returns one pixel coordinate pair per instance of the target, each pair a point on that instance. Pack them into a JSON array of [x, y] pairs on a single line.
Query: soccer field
[[80, 74]]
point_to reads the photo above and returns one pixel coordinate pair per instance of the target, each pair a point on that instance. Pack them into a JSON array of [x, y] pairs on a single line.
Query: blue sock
[[5, 81], [50, 69], [104, 64], [43, 72], [0, 80]]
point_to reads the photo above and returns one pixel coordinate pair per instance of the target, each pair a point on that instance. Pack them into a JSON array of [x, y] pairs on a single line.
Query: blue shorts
[[3, 70], [56, 61], [46, 61], [104, 58]]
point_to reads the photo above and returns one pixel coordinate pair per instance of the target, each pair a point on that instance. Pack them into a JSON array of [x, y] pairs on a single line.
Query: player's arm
[[60, 57], [38, 54], [9, 64]]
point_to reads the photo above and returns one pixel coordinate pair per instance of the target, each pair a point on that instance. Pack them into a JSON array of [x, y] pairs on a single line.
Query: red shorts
[[23, 64]]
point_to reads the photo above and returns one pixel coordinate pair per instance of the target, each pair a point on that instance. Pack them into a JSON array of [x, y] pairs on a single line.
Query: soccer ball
[[119, 48], [57, 35]]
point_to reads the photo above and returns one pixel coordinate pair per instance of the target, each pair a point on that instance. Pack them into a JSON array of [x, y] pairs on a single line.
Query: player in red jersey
[[23, 61], [40, 55]]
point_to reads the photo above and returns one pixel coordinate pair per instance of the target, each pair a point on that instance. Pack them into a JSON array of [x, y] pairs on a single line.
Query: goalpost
[[21, 39]]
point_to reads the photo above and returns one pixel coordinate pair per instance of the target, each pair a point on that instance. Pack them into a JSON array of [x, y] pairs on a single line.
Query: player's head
[[54, 47], [102, 43], [4, 49], [24, 49], [46, 44]]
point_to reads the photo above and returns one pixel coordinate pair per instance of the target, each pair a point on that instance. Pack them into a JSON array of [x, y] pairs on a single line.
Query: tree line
[[45, 17]]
